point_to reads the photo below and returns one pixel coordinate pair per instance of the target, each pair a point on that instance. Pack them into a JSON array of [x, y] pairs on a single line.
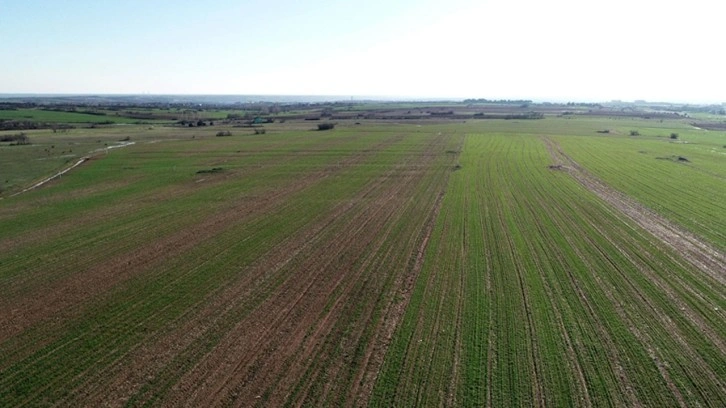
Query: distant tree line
[[30, 125], [589, 105], [510, 116], [499, 101], [193, 123]]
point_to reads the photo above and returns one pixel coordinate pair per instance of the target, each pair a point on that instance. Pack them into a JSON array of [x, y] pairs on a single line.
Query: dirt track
[[692, 248]]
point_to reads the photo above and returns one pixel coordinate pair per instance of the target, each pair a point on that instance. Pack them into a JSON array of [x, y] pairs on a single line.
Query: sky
[[559, 50]]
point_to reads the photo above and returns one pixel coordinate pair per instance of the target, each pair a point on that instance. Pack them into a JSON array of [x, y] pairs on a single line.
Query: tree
[[674, 136], [326, 126]]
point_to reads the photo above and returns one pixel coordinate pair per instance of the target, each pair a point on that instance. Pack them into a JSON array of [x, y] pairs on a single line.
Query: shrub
[[326, 126], [16, 139], [224, 133]]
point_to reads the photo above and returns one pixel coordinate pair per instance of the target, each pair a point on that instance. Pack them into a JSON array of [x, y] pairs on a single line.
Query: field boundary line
[[694, 249], [67, 169]]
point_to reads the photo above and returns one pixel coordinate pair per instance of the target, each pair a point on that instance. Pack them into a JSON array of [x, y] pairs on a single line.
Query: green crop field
[[479, 263], [51, 152], [690, 191], [535, 293]]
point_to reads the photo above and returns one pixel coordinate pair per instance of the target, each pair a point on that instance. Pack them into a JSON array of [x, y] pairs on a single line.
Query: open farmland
[[137, 280], [683, 179], [535, 292], [447, 263]]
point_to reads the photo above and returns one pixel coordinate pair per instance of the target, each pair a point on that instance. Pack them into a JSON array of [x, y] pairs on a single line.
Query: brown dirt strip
[[403, 185], [691, 247], [356, 391], [62, 300], [373, 362]]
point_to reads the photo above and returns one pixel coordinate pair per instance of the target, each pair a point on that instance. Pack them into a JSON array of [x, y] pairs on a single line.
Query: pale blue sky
[[558, 49]]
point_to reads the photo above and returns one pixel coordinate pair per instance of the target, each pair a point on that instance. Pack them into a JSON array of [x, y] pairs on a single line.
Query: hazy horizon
[[341, 98], [554, 51]]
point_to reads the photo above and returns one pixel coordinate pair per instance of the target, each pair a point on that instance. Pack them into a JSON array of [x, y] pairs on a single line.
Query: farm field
[[478, 263], [535, 293], [684, 180]]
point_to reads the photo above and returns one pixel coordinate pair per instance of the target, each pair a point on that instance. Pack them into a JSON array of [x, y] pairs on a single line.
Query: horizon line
[[354, 98]]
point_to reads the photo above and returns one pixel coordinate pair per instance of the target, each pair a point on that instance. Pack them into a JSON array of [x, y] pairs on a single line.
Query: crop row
[[535, 292], [684, 181], [251, 284], [79, 262]]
